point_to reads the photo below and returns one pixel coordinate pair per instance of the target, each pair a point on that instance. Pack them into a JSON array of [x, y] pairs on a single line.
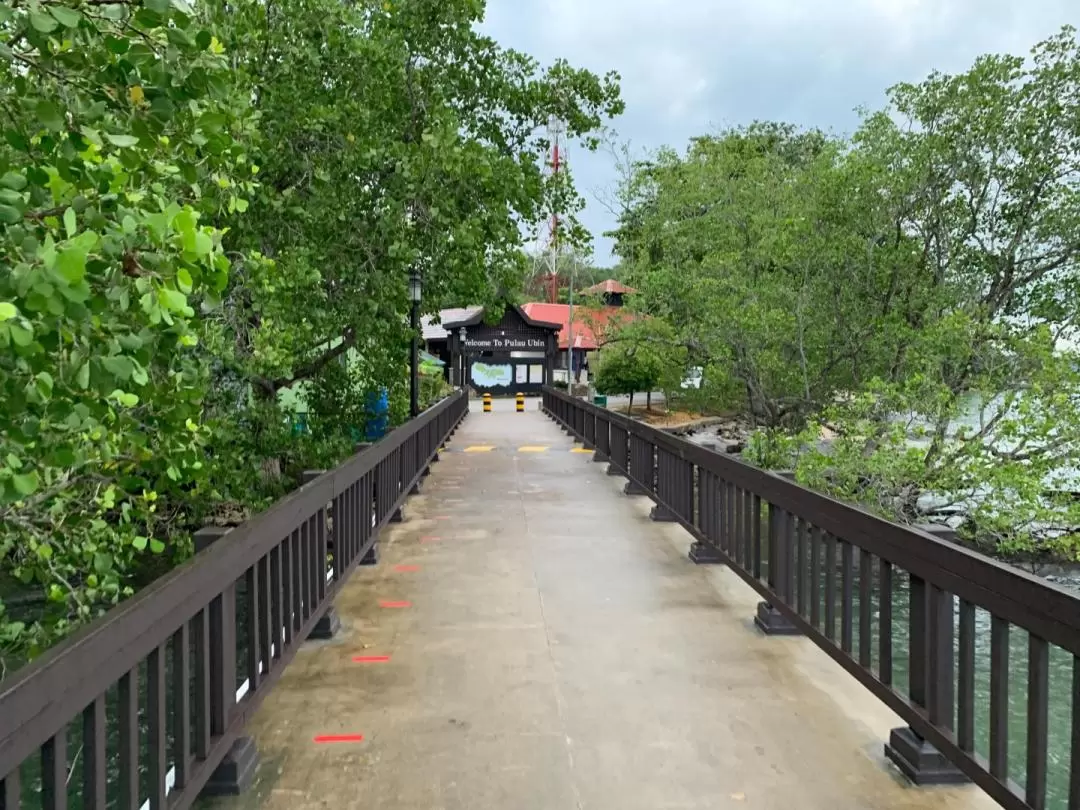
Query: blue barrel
[[378, 413]]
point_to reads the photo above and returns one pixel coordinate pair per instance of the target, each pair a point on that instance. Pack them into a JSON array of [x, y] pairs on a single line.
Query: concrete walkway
[[549, 648]]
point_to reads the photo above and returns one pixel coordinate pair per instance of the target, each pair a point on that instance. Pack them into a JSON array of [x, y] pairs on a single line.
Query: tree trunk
[[648, 400], [630, 407]]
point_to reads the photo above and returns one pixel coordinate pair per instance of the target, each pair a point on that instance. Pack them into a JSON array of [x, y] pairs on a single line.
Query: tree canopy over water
[[914, 287]]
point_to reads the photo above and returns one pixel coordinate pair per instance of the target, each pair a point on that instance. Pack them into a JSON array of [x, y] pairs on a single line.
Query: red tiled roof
[[591, 325], [610, 286]]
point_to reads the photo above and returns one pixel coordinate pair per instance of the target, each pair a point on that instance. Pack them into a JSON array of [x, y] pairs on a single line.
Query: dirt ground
[[658, 416]]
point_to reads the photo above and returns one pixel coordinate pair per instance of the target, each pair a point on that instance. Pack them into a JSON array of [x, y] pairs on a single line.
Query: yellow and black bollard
[[520, 403], [487, 403]]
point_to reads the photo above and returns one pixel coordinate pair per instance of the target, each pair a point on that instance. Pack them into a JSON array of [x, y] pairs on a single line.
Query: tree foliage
[[203, 205], [913, 288]]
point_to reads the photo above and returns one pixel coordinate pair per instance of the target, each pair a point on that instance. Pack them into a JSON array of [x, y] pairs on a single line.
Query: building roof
[[610, 286], [478, 316], [591, 324], [433, 330]]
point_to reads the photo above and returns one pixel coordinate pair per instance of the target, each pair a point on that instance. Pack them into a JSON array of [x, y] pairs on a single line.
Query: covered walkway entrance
[[531, 641]]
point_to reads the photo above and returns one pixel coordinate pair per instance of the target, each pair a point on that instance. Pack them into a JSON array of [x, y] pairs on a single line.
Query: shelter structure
[[516, 354]]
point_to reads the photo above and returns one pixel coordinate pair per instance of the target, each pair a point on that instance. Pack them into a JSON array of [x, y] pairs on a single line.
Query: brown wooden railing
[[141, 706], [923, 623]]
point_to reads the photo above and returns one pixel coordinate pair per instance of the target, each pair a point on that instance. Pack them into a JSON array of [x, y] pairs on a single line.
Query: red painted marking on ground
[[370, 659], [442, 517], [386, 604], [339, 738], [406, 569], [430, 538]]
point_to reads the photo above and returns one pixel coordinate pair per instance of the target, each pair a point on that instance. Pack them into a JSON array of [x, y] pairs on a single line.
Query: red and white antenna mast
[[556, 129]]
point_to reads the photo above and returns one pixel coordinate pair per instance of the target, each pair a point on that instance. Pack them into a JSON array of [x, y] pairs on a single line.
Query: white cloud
[[691, 66]]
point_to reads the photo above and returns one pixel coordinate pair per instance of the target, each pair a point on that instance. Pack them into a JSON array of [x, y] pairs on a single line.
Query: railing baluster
[[305, 571], [940, 681], [801, 567], [815, 577], [251, 604], [1038, 710], [789, 544], [128, 694], [201, 630], [266, 622], [866, 607], [181, 689], [155, 711], [291, 577], [277, 601], [10, 791], [756, 535], [999, 698], [847, 607], [54, 772], [830, 587], [95, 759], [885, 622], [965, 698], [315, 567], [222, 660]]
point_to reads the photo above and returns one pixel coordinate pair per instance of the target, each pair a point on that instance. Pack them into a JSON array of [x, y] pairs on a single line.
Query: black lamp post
[[415, 290]]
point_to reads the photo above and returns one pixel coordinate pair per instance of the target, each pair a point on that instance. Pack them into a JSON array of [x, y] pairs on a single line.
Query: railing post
[[329, 623], [235, 773], [931, 686], [769, 620], [372, 556]]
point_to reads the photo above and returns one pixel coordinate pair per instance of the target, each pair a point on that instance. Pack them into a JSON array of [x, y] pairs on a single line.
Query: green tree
[[119, 131], [203, 205]]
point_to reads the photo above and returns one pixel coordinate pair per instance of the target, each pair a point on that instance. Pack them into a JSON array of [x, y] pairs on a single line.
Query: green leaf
[[139, 543], [183, 280], [67, 17], [121, 140], [70, 222], [49, 115], [44, 384], [124, 398], [26, 484], [13, 180], [71, 265], [82, 376], [10, 215], [103, 562], [203, 243], [156, 546], [43, 22], [119, 366], [19, 335], [7, 311], [174, 300]]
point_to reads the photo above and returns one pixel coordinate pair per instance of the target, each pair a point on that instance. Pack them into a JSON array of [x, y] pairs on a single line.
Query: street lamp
[[415, 290]]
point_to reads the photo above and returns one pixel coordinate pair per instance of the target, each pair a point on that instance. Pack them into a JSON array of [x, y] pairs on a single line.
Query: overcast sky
[[694, 66]]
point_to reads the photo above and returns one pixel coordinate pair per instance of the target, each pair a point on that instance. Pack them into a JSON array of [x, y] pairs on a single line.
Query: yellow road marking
[[480, 448], [532, 448], [581, 450]]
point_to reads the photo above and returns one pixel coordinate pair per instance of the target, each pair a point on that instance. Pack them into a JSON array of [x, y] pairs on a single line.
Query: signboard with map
[[492, 376]]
